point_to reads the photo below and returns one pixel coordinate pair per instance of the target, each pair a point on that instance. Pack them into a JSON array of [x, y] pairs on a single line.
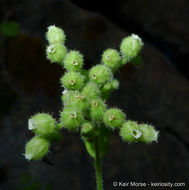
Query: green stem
[[98, 166]]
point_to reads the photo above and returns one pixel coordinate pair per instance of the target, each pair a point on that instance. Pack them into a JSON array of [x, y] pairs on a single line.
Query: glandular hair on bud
[[72, 80], [78, 100], [108, 88], [88, 129], [55, 35], [66, 94], [130, 47], [36, 148], [73, 61], [56, 53], [130, 131], [112, 59], [149, 134], [100, 74], [71, 118], [42, 124], [91, 90], [114, 118], [97, 109]]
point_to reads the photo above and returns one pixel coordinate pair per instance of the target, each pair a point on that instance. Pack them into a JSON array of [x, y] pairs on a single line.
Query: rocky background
[[157, 92]]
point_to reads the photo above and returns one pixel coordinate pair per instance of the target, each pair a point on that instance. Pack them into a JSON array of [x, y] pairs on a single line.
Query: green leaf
[[9, 28], [90, 146], [103, 137]]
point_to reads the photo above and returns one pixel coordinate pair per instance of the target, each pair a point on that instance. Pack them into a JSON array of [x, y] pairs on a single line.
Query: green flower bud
[[72, 80], [36, 148], [91, 90], [85, 73], [100, 74], [130, 47], [115, 84], [56, 53], [55, 35], [66, 94], [111, 59], [108, 88], [149, 134], [130, 131], [42, 124], [73, 61], [71, 118], [88, 130], [97, 109], [114, 118], [78, 100]]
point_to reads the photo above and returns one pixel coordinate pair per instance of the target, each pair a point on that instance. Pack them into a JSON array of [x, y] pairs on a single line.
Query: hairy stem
[[98, 166]]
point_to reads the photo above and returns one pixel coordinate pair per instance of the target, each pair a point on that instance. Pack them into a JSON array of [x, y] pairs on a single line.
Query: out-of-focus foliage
[[9, 28], [28, 183]]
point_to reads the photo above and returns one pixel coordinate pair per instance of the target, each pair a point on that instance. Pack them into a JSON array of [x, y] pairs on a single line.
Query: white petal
[[136, 37], [137, 134], [31, 124], [28, 156], [65, 91]]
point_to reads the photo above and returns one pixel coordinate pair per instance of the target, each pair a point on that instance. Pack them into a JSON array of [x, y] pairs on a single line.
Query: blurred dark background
[[156, 93]]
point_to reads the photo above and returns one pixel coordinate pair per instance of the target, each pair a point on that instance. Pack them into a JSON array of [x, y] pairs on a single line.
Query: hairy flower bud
[[130, 131], [115, 84], [85, 74], [55, 35], [36, 148], [91, 90], [56, 52], [130, 47], [108, 88], [149, 134], [73, 61], [114, 118], [42, 124], [100, 74], [97, 109], [88, 130], [72, 80], [71, 118], [78, 100], [111, 59], [66, 94]]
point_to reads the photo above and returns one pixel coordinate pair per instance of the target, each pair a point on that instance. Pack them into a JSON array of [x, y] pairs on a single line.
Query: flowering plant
[[84, 102]]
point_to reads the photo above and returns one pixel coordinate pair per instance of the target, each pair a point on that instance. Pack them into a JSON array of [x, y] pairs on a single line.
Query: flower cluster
[[84, 98]]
